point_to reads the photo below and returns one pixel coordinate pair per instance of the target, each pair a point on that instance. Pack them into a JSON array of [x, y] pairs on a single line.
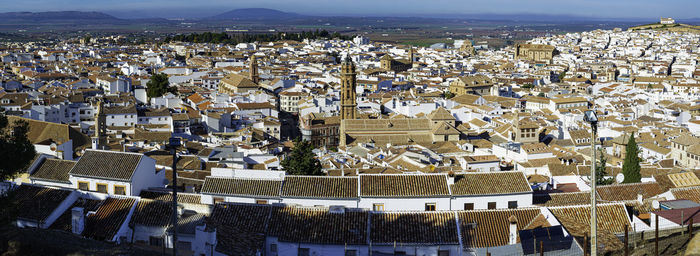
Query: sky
[[679, 9]]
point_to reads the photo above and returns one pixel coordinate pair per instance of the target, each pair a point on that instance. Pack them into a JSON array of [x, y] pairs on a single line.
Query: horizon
[[595, 10]]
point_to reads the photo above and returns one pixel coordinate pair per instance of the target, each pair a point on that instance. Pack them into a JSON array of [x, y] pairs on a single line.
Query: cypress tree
[[630, 167]]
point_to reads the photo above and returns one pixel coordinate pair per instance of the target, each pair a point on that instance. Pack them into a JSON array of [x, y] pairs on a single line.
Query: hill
[[256, 14], [677, 27], [46, 17]]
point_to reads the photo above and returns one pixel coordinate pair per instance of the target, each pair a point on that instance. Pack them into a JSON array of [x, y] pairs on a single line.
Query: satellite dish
[[655, 204], [619, 177]]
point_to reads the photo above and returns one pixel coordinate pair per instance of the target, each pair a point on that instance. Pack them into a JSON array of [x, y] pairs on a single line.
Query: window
[[273, 247], [260, 201], [119, 190], [303, 252], [102, 188], [444, 253], [512, 204], [83, 185], [429, 207], [492, 205], [350, 252], [469, 206], [155, 241], [378, 207]]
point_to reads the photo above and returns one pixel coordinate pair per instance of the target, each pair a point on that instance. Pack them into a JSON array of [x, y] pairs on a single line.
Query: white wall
[[406, 204], [481, 202], [145, 176]]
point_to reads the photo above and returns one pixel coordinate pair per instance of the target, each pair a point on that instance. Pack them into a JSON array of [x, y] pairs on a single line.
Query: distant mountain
[[66, 15], [256, 14]]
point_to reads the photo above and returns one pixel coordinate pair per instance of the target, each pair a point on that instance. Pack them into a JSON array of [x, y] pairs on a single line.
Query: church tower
[[99, 140], [253, 69], [348, 95], [411, 55]]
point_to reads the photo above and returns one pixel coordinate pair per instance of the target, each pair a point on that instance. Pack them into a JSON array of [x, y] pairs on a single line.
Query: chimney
[[640, 198], [78, 220], [513, 234]]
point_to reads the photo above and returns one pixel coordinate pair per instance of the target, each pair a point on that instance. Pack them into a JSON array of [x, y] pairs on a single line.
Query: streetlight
[[173, 144], [590, 117]]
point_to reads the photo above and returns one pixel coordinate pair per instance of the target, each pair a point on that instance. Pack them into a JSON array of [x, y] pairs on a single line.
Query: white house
[[115, 173]]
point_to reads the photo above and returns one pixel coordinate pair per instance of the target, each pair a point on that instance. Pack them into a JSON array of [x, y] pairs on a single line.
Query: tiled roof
[[64, 222], [433, 228], [152, 213], [421, 185], [690, 193], [623, 192], [490, 228], [318, 226], [40, 132], [120, 110], [242, 187], [183, 198], [37, 203], [611, 217], [320, 187], [240, 228], [107, 164], [561, 199], [490, 183], [105, 223], [53, 170]]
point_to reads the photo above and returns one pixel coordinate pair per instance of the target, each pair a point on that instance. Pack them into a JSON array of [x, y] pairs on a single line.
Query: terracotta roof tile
[[490, 183], [318, 226], [421, 185], [414, 228], [320, 187], [242, 187], [53, 170], [37, 203], [107, 164], [490, 228], [105, 223], [625, 192]]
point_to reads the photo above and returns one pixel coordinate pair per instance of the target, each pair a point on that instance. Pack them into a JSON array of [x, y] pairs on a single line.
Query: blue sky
[[199, 8]]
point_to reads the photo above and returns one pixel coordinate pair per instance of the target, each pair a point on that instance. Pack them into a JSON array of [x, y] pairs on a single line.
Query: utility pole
[[590, 117], [174, 143]]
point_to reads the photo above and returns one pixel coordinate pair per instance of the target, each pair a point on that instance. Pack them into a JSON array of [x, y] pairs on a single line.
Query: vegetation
[[541, 95], [448, 95], [16, 151], [630, 167], [600, 172], [528, 86], [301, 160], [158, 86], [561, 76], [225, 38]]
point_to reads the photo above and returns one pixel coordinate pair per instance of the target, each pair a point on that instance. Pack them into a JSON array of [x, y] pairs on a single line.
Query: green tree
[[301, 160], [630, 167], [561, 76], [600, 171], [16, 151], [528, 86], [159, 85], [448, 95], [541, 95]]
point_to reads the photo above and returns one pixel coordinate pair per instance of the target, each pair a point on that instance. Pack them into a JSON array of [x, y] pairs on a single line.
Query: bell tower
[[253, 69], [348, 81], [411, 55], [99, 140]]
